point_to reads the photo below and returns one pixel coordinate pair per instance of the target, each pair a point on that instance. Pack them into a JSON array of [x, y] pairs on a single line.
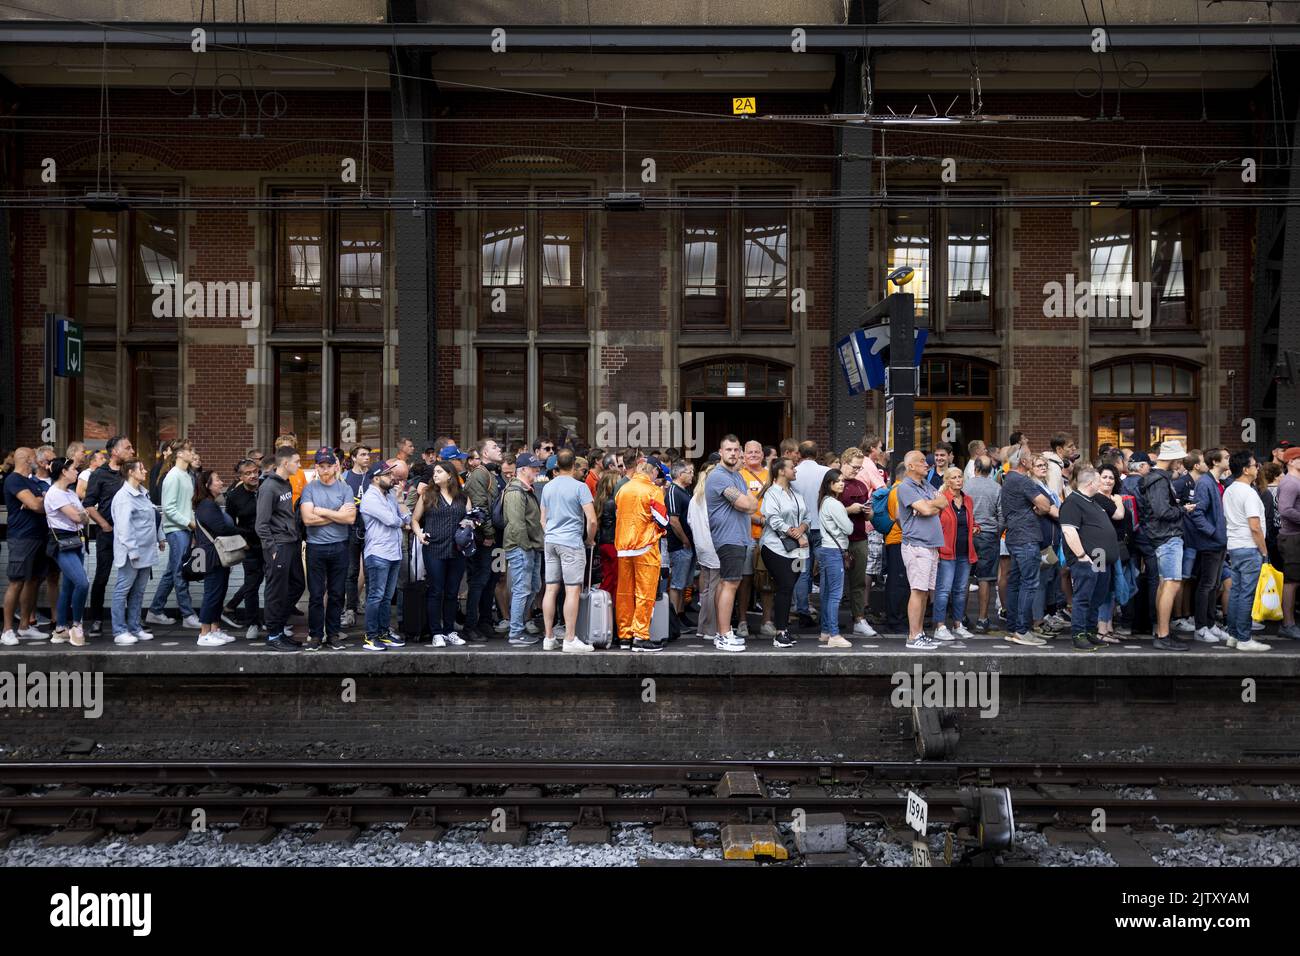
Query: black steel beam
[[833, 38]]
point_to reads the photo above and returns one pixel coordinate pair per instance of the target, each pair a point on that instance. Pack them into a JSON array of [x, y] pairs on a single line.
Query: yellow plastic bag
[[1268, 595]]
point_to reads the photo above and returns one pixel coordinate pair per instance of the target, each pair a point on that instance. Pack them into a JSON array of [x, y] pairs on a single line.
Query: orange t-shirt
[[591, 481], [755, 480]]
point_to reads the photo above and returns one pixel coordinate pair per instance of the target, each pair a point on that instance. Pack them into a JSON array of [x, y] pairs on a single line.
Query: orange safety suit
[[641, 522]]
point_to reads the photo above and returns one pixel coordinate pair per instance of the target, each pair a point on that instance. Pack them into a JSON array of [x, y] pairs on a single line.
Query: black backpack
[[499, 511]]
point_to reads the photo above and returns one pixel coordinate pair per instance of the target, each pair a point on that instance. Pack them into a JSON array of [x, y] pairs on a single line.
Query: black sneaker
[[479, 634], [981, 626], [95, 628], [282, 643], [1081, 643], [807, 620], [1097, 640], [336, 642], [313, 644], [783, 639], [1168, 643], [640, 645], [524, 639]]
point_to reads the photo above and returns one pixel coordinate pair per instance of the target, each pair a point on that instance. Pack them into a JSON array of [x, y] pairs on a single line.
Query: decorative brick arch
[[536, 156], [738, 165], [130, 155], [312, 159]]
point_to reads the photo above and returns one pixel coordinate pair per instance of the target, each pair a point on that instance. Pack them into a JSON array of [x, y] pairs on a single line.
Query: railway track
[[84, 798]]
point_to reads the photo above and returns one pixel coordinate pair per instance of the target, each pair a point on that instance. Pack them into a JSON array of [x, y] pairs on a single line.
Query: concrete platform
[[173, 651]]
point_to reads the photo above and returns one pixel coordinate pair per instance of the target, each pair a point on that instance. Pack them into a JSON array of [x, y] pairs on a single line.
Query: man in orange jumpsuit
[[641, 521]]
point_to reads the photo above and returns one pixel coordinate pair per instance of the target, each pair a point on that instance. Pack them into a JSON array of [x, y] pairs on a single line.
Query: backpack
[[499, 511], [880, 519]]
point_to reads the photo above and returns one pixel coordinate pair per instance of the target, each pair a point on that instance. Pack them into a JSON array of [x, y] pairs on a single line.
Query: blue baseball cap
[[525, 460], [450, 452]]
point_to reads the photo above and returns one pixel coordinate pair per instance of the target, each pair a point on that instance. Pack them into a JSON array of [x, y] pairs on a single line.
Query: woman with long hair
[[438, 514], [784, 541], [66, 518], [211, 522], [137, 540], [606, 517], [836, 528], [956, 555]]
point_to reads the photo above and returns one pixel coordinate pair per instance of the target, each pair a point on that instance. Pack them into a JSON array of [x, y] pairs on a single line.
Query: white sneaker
[[768, 629], [863, 628], [729, 642], [253, 633], [963, 634], [348, 619], [531, 627], [160, 619], [223, 636], [551, 644], [742, 629], [288, 631], [1253, 645], [941, 633], [501, 626], [191, 622], [42, 620], [1256, 626], [33, 633], [124, 639], [210, 640], [576, 646], [455, 640], [8, 638], [816, 589], [1185, 624], [59, 636], [1219, 632], [1230, 641], [438, 640], [1205, 636], [920, 642], [142, 635]]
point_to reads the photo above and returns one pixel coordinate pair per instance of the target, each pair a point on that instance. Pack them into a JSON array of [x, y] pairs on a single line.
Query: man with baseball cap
[[386, 517], [1161, 517], [1288, 511], [522, 542], [328, 513]]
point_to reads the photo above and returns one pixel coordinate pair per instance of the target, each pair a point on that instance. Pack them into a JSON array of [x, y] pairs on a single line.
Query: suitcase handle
[[591, 565]]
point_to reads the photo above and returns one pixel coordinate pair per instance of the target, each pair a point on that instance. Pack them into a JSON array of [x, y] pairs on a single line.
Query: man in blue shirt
[[328, 512], [919, 504], [385, 518]]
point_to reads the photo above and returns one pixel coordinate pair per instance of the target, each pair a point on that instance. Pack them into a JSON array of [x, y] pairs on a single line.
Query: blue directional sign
[[864, 353], [69, 349]]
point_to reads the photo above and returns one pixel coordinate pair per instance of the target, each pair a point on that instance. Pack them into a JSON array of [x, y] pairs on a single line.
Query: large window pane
[[156, 400], [1110, 250], [155, 254], [909, 245], [98, 386], [704, 268], [300, 251], [502, 267], [361, 270], [361, 393], [1173, 262], [95, 269], [970, 252], [766, 272], [563, 277], [298, 388], [503, 394], [1167, 424], [563, 396]]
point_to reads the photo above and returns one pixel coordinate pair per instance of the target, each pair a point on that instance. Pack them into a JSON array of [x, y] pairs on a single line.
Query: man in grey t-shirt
[[328, 511], [919, 505], [569, 527], [726, 495]]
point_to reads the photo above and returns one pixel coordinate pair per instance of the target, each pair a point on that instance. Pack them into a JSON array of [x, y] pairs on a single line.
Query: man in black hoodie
[[277, 528], [1162, 520]]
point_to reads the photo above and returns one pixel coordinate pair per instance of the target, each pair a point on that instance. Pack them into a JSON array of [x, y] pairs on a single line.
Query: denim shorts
[[1189, 562], [680, 562], [986, 556], [1169, 559]]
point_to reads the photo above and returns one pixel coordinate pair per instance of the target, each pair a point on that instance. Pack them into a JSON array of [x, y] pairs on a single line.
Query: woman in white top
[[836, 528], [83, 479], [67, 518], [784, 543], [697, 516]]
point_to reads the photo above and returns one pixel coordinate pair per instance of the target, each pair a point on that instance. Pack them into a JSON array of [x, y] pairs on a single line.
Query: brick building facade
[[545, 307]]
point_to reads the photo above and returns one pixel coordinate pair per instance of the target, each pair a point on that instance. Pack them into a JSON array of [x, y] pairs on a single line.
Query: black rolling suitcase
[[415, 596]]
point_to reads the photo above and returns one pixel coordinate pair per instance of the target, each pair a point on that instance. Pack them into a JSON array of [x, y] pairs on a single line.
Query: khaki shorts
[[564, 565], [922, 566]]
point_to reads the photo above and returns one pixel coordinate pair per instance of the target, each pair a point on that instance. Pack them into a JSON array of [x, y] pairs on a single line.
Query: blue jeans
[[832, 585], [1049, 579], [443, 576], [1091, 586], [951, 589], [178, 548], [128, 597], [214, 594], [381, 582], [1246, 564], [803, 587], [525, 581], [73, 588], [680, 563], [1022, 585], [327, 574]]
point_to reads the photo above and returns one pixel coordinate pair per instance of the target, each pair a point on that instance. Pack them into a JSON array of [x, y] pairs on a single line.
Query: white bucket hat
[[1171, 450]]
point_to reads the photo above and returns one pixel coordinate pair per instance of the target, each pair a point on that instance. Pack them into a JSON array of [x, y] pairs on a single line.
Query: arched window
[[1137, 403]]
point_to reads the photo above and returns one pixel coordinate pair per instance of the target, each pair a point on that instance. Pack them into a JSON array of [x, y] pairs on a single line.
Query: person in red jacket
[[955, 559]]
